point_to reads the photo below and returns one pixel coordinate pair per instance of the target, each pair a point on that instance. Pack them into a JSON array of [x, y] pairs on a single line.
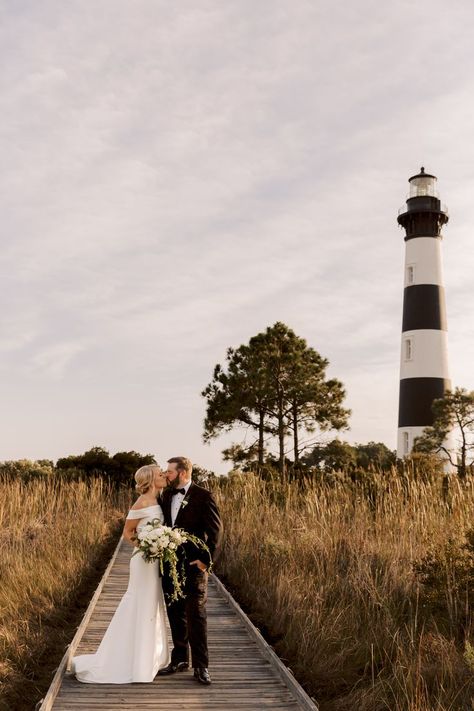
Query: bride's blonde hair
[[144, 477]]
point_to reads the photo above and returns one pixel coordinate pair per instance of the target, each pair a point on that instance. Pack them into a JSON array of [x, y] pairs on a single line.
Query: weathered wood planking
[[246, 673]]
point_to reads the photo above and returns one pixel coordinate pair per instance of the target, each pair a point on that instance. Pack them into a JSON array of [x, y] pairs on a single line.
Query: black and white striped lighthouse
[[424, 368]]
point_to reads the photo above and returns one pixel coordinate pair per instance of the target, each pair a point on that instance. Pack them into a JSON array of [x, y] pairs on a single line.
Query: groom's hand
[[199, 564]]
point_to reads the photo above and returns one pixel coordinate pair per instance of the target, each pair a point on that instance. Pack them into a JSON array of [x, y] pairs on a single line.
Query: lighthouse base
[[406, 439]]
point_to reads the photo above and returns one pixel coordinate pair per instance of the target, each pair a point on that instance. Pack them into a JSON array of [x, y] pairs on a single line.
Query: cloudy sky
[[176, 177]]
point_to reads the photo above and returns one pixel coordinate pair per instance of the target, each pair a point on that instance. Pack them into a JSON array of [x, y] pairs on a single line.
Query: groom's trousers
[[188, 621]]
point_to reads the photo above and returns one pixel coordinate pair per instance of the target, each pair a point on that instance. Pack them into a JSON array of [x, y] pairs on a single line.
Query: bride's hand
[[199, 564]]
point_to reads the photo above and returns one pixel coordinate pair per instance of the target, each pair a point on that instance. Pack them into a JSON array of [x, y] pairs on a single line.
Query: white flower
[[177, 537]]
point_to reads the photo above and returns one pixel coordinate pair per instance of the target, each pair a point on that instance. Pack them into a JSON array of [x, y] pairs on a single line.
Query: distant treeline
[[118, 468], [321, 460]]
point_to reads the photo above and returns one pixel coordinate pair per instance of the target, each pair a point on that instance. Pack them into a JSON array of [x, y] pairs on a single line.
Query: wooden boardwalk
[[246, 673]]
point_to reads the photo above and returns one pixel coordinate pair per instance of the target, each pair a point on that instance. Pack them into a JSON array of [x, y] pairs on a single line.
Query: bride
[[135, 645]]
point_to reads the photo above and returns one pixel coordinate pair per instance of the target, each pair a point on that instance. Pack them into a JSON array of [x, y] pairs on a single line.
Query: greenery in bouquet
[[162, 544]]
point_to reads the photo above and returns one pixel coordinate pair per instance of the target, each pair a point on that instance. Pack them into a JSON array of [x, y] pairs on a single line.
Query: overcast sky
[[177, 176]]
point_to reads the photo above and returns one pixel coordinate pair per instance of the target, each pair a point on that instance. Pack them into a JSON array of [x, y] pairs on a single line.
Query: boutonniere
[[184, 503]]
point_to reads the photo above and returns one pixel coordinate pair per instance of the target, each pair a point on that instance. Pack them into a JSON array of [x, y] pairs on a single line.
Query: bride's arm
[[130, 530], [133, 519]]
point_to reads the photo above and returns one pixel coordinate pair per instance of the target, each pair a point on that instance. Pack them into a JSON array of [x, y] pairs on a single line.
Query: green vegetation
[[452, 432], [276, 387], [339, 455], [96, 462]]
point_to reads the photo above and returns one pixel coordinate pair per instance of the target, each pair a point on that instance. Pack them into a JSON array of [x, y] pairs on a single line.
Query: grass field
[[365, 588], [55, 537]]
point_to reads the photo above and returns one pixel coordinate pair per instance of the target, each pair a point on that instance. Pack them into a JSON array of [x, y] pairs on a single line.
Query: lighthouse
[[424, 368]]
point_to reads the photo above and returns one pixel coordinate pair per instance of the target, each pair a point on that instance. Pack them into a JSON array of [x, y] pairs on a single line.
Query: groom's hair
[[183, 464]]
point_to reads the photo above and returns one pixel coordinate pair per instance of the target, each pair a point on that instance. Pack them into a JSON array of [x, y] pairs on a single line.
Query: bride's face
[[159, 479]]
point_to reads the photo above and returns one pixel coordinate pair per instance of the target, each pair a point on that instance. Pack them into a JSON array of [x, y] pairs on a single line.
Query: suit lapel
[[184, 503], [166, 506]]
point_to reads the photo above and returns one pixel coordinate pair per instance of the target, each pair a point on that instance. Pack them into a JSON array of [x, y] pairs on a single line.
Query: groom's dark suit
[[198, 515]]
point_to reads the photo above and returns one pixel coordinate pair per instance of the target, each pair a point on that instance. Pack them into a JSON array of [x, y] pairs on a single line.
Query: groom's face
[[172, 475]]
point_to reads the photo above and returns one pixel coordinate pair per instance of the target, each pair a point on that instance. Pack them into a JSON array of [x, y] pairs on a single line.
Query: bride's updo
[[144, 477]]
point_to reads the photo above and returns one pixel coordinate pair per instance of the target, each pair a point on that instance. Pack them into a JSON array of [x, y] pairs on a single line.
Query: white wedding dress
[[135, 644]]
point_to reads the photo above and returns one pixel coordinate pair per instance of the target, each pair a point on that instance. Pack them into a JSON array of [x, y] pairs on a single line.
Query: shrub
[[446, 573]]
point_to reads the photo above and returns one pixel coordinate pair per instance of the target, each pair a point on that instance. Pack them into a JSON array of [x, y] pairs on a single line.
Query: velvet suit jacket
[[199, 516]]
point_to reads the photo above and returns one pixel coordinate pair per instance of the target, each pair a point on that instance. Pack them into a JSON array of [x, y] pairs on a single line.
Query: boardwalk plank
[[246, 674]]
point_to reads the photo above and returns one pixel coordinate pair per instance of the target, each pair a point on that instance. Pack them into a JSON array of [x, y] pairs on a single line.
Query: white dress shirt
[[177, 500]]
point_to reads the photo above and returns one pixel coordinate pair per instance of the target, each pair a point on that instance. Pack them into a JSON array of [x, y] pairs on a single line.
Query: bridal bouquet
[[157, 542]]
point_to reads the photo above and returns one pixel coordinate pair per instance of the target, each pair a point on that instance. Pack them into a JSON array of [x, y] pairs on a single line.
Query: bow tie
[[178, 491]]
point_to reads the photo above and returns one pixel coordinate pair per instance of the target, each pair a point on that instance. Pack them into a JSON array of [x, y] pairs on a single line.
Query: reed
[[52, 534], [329, 569]]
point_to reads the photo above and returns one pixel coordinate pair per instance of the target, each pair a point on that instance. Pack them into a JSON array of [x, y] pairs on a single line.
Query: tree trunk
[[281, 436], [462, 468], [295, 434], [260, 437], [281, 440]]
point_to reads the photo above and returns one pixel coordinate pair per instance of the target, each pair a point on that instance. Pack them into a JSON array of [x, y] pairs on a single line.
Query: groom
[[191, 507]]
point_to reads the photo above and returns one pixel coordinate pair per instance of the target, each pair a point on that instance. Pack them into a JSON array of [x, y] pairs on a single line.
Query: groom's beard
[[173, 483]]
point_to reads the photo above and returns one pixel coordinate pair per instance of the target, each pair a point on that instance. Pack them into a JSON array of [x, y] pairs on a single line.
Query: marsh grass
[[53, 537], [363, 586]]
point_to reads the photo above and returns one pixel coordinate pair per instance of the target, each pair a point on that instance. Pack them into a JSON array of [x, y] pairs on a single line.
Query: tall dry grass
[[52, 534], [330, 570]]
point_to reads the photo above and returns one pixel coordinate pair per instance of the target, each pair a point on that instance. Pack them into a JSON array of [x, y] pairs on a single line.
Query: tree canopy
[[97, 461], [340, 455], [452, 432], [275, 386]]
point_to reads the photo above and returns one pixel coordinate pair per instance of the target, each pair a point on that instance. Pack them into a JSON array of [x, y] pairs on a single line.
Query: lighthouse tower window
[[410, 274], [408, 349], [406, 443]]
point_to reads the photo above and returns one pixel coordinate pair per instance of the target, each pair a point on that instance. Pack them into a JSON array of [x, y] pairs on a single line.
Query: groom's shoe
[[172, 668], [202, 675]]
